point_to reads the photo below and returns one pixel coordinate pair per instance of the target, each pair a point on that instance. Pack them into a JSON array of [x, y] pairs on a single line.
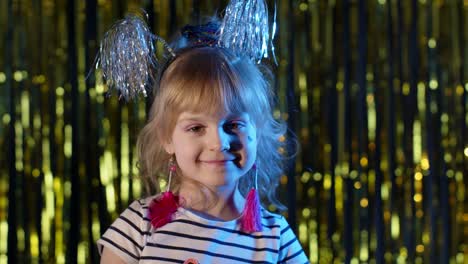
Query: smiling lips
[[216, 162]]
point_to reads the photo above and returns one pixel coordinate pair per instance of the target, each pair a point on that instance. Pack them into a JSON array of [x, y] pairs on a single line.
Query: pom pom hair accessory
[[245, 29], [127, 57], [127, 52]]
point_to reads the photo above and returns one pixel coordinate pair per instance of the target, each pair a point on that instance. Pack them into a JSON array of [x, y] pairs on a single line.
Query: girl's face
[[214, 149]]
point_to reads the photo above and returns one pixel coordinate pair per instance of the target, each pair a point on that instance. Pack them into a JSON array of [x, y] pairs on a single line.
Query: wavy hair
[[207, 79]]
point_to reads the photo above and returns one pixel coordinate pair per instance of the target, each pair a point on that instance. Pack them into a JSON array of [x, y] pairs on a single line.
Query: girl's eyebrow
[[191, 118], [189, 121], [238, 116], [201, 117]]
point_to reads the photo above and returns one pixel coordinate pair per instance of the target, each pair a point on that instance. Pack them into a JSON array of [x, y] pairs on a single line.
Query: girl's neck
[[222, 203]]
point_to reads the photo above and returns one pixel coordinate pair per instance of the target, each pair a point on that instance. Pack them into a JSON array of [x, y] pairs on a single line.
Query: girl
[[212, 139]]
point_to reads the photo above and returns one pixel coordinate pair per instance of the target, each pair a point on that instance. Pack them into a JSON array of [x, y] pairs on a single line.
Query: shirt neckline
[[194, 216]]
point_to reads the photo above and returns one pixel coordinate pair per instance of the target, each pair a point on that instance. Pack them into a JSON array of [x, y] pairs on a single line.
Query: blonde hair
[[203, 79]]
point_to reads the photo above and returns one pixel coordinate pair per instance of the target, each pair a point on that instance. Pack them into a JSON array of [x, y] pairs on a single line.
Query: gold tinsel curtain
[[376, 92]]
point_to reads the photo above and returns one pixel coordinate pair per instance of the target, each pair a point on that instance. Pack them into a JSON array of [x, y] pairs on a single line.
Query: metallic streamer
[[127, 57], [245, 29]]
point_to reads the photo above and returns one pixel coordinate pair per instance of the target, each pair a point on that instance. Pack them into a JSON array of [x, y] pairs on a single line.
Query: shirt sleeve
[[290, 249], [126, 237]]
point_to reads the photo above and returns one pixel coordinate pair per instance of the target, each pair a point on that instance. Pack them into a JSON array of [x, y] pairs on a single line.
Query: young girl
[[212, 139]]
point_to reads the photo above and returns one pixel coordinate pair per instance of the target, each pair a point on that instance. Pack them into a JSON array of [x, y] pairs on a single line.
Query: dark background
[[376, 92]]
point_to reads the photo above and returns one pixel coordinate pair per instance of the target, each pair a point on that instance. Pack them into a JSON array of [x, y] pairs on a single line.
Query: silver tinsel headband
[[127, 53]]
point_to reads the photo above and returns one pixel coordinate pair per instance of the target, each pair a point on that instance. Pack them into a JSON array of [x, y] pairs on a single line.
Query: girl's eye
[[233, 126], [195, 129]]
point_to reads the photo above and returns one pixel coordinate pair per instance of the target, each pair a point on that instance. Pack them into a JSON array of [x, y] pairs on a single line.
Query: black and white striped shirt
[[190, 236]]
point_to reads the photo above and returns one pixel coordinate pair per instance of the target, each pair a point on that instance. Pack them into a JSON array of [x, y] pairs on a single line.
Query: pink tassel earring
[[251, 216], [163, 207]]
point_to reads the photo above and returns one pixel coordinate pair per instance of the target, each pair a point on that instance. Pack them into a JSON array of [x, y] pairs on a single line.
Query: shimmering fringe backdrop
[[375, 90]]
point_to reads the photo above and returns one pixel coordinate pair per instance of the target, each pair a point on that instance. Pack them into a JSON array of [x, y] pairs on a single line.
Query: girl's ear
[[169, 147]]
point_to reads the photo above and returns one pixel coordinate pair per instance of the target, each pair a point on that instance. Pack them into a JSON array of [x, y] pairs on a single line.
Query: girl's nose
[[220, 140]]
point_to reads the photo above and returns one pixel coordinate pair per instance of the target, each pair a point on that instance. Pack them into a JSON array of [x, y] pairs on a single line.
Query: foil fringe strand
[[127, 57], [245, 29]]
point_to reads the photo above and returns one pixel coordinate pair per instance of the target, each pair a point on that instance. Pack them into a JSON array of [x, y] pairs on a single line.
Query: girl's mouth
[[214, 162]]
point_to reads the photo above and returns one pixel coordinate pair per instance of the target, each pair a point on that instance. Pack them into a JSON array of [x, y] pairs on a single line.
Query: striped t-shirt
[[190, 236]]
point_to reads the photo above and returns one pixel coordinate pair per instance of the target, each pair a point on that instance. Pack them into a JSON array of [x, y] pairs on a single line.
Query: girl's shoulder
[[137, 214], [273, 219], [139, 207], [269, 215], [127, 235], [143, 203]]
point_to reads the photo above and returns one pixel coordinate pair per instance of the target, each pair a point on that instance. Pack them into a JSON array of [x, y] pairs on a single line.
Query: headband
[[127, 53]]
